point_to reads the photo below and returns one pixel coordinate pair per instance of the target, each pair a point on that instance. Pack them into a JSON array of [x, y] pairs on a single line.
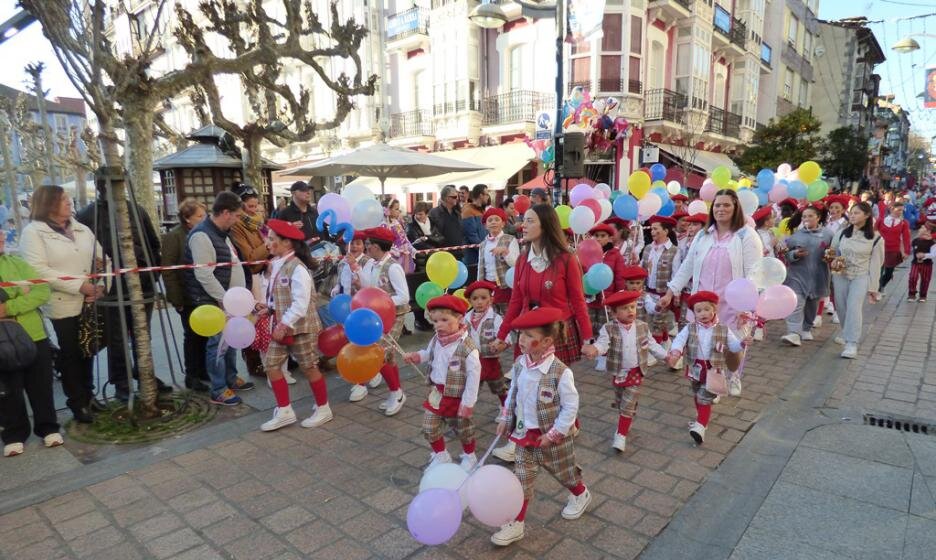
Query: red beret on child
[[480, 285], [602, 227], [539, 317], [447, 301], [665, 220], [359, 234], [680, 215], [699, 218], [698, 297], [621, 298], [633, 272], [614, 220], [379, 233], [493, 211], [681, 197], [762, 213], [285, 229]]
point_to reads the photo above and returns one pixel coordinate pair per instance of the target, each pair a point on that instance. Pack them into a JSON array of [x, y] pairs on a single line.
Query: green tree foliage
[[844, 154], [791, 139]]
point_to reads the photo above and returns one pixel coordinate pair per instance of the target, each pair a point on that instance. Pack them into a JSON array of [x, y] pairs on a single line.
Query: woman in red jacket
[[896, 234]]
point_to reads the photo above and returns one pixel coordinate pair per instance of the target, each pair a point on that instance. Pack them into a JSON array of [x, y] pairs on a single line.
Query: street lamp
[[488, 16], [908, 44]]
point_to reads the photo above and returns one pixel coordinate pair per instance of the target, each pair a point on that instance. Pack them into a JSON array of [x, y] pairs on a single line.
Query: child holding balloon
[[498, 252], [483, 323], [661, 261], [540, 416], [454, 376], [605, 253], [290, 301]]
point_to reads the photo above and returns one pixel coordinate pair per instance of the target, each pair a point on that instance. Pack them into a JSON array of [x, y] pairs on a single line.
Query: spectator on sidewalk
[[247, 236], [896, 234], [510, 227], [446, 220], [472, 228], [463, 196], [420, 232], [538, 196], [807, 270], [300, 212], [403, 251]]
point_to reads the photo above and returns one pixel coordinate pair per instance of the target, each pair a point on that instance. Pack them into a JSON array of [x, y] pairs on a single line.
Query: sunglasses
[[247, 192]]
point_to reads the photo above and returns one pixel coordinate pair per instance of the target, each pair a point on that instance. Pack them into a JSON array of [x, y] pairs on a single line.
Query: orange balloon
[[358, 364]]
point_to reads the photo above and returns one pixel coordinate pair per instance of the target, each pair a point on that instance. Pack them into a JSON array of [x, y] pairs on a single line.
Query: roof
[[204, 154], [65, 105]]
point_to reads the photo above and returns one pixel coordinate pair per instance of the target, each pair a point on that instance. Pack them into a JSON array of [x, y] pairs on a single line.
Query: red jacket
[[896, 238], [615, 260], [559, 286]]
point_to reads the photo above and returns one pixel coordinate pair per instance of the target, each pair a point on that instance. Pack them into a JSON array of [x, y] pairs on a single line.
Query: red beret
[[493, 211], [680, 197], [359, 234], [379, 233], [762, 213], [842, 199], [539, 317], [698, 218], [680, 215], [665, 220], [621, 298], [602, 227], [614, 220], [448, 301], [285, 229], [788, 201], [480, 285], [698, 297], [633, 272]]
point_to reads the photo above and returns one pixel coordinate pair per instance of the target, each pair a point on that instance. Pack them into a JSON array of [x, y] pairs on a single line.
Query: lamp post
[[908, 44]]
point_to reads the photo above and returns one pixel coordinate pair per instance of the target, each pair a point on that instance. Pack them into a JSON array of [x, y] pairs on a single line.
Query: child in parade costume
[[383, 272], [681, 227], [455, 372], [498, 252], [708, 346], [602, 233], [623, 239], [626, 342], [680, 203], [764, 223], [290, 300], [540, 417], [694, 224], [921, 264], [635, 278], [661, 261], [483, 323]]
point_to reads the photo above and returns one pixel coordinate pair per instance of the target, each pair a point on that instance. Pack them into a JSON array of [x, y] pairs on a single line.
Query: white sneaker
[[468, 461], [282, 416], [620, 442], [850, 351], [321, 415], [835, 319], [792, 339], [507, 453], [734, 387], [576, 505], [438, 459], [717, 399], [358, 392], [697, 431], [829, 308], [13, 449], [53, 440], [509, 533], [839, 340], [806, 335], [758, 334], [375, 381], [679, 364], [290, 380], [817, 322], [651, 361], [601, 364], [394, 402]]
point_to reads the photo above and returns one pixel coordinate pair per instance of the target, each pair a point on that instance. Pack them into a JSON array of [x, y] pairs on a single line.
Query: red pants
[[920, 273]]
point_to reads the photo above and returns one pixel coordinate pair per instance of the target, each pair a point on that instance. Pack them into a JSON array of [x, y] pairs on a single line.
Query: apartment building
[[789, 55], [887, 147]]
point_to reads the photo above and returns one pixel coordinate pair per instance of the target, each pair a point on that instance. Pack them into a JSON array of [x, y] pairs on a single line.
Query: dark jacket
[[292, 213], [473, 231], [448, 224], [173, 253], [414, 232], [195, 293]]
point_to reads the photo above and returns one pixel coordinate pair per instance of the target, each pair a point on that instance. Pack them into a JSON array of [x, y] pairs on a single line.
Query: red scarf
[[476, 319], [530, 364], [446, 339]]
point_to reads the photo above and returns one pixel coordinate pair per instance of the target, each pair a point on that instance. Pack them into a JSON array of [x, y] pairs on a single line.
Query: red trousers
[[920, 274]]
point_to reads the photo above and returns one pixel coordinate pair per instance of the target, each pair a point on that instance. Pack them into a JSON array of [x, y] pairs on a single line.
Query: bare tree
[[9, 167]]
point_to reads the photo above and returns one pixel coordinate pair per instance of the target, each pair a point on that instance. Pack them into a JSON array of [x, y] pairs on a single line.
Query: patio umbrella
[[383, 161]]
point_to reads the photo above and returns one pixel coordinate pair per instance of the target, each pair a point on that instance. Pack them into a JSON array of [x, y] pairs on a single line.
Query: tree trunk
[[9, 170], [254, 168], [138, 122], [80, 188]]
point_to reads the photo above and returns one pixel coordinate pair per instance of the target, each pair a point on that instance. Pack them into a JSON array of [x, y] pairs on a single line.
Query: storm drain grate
[[903, 424]]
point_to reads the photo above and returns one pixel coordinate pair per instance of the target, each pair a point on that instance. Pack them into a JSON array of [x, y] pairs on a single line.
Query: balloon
[[783, 170], [778, 192], [749, 201], [460, 294], [580, 192], [589, 290], [809, 171], [442, 269], [793, 176], [661, 192], [238, 302], [356, 193], [239, 332], [363, 327], [625, 207], [207, 320], [673, 187], [657, 172], [359, 364], [707, 192], [638, 184], [434, 516], [777, 302], [339, 307], [581, 220], [648, 206], [595, 207], [721, 175], [741, 294], [697, 207], [366, 214], [762, 199], [461, 277], [495, 496], [781, 230], [765, 180], [744, 183], [606, 209], [509, 276], [563, 212], [334, 202], [600, 276], [331, 340], [344, 230], [449, 476], [668, 208], [522, 204], [548, 155], [589, 253], [732, 184], [767, 272], [328, 216], [749, 222], [817, 190], [797, 190], [427, 291], [377, 301], [604, 189]]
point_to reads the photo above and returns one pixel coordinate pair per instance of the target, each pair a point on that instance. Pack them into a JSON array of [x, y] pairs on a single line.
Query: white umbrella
[[383, 161]]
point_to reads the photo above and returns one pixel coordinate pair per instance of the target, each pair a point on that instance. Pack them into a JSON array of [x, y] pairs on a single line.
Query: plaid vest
[[282, 298], [456, 375], [486, 334], [641, 308], [361, 260], [546, 413], [501, 266], [616, 353], [383, 282], [719, 346], [664, 267]]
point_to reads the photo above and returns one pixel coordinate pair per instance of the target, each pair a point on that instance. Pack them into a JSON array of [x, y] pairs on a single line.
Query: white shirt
[[490, 261], [629, 357], [346, 276], [704, 351], [439, 367], [370, 278], [300, 290], [656, 250], [525, 394], [891, 221], [475, 334], [835, 225]]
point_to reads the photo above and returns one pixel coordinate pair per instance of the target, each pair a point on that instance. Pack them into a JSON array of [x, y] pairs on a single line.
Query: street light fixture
[[908, 44], [488, 16]]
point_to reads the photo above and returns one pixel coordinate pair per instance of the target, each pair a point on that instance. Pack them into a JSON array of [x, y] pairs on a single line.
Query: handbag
[[17, 349], [90, 330], [716, 382]]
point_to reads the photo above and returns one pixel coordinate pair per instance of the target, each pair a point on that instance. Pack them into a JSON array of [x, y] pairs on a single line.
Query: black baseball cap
[[299, 186], [538, 192]]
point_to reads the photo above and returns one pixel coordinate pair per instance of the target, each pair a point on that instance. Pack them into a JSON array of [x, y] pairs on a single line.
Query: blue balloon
[[548, 155], [797, 189], [340, 307], [662, 193], [657, 172], [762, 198], [344, 230], [765, 180], [461, 277], [667, 209], [599, 277], [320, 222], [363, 327], [625, 207]]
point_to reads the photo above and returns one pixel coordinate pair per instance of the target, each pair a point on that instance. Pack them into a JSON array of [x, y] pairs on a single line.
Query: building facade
[[888, 149], [788, 57]]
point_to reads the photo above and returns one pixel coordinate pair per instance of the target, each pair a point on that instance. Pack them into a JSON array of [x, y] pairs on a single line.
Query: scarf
[[538, 262], [476, 318], [530, 363], [252, 223], [426, 228], [446, 339]]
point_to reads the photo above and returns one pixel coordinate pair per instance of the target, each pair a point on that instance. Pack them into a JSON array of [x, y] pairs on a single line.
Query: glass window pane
[[636, 35], [581, 70], [611, 26]]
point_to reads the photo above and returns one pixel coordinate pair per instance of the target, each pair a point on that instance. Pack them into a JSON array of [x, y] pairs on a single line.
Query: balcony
[[738, 33], [411, 124], [672, 10], [766, 57], [515, 106], [584, 84], [665, 105], [618, 85], [408, 30], [721, 21], [723, 122]]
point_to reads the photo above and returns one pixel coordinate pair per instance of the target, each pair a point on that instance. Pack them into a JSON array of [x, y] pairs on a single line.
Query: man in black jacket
[[446, 219], [300, 211]]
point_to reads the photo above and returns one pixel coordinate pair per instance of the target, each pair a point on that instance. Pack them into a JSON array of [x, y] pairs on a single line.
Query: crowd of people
[[667, 303]]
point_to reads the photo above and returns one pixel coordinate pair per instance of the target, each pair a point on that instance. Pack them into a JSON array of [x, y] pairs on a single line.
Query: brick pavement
[[342, 490]]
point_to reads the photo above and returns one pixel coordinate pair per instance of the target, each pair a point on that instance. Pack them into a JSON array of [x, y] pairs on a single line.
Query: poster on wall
[[929, 97], [585, 17]]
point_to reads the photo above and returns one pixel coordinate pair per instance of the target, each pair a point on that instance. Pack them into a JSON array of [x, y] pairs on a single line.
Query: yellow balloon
[[733, 185], [442, 269], [781, 230], [207, 320], [744, 183], [809, 171], [460, 293], [638, 184], [563, 212]]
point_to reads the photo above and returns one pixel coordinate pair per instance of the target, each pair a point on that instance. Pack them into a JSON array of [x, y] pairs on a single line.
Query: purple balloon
[[741, 294], [580, 192], [338, 204], [239, 332], [434, 516]]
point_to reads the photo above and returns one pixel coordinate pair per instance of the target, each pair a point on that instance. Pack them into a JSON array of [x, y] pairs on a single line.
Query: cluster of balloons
[[445, 272], [492, 493], [360, 323], [589, 206], [355, 208], [648, 194], [233, 322], [763, 293]]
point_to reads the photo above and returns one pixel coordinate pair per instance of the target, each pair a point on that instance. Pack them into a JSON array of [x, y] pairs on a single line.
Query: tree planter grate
[[899, 423]]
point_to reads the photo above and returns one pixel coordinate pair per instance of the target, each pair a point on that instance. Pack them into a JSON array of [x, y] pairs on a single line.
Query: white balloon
[[783, 170], [356, 193], [749, 201], [767, 272], [673, 187], [697, 207], [238, 302], [449, 476], [581, 220], [606, 209], [649, 205], [604, 189], [366, 214]]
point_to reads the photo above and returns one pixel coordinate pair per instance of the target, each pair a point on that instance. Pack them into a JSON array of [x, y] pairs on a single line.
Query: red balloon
[[594, 206], [522, 204], [379, 302], [589, 253], [332, 340]]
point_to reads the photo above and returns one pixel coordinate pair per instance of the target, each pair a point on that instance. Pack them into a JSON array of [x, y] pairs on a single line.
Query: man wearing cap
[[300, 211], [539, 196]]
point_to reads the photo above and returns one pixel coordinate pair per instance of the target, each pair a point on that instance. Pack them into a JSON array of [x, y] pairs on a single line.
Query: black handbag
[[90, 330], [17, 349]]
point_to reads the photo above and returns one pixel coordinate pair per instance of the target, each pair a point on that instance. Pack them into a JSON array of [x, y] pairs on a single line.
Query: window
[[61, 124], [793, 31], [581, 69], [787, 83], [722, 19], [766, 53], [803, 93], [683, 63], [612, 26], [807, 45], [609, 64], [515, 76], [636, 35]]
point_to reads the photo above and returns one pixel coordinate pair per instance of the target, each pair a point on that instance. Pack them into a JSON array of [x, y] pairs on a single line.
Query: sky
[[901, 74]]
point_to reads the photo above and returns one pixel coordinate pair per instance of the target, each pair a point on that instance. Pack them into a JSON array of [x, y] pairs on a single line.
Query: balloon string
[[395, 346], [480, 463]]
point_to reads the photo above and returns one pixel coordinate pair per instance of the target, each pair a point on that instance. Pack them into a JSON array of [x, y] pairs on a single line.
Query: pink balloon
[[749, 221], [741, 294], [708, 190], [776, 302], [495, 495], [594, 205], [778, 193], [589, 253], [698, 207], [239, 332], [579, 193]]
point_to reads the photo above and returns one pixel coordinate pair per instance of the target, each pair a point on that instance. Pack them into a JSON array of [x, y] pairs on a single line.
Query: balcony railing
[[584, 84], [738, 34], [685, 4], [615, 85], [665, 104], [733, 125], [414, 21], [515, 106], [456, 106], [723, 122], [411, 123]]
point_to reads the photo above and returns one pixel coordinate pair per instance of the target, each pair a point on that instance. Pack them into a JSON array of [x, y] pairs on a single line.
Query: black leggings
[[75, 368], [36, 382]]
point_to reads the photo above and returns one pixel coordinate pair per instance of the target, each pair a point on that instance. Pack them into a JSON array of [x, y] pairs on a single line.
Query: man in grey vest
[[208, 242]]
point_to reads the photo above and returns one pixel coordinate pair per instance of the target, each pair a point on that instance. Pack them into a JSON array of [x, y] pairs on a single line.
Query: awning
[[701, 158], [539, 182]]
